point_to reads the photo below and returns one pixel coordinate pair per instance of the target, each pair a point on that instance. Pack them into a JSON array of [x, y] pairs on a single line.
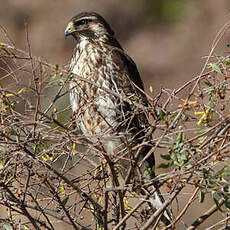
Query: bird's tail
[[156, 201]]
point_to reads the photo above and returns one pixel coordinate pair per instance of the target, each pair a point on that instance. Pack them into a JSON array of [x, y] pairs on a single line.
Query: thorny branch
[[50, 172]]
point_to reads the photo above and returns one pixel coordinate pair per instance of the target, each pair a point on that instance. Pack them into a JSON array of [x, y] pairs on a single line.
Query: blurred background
[[167, 39]]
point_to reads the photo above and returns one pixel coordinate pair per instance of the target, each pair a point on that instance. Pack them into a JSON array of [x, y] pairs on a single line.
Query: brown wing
[[130, 82], [127, 66]]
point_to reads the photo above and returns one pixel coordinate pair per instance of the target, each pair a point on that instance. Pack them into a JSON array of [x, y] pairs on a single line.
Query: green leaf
[[166, 157], [2, 148], [188, 166], [164, 165], [201, 196], [202, 139], [185, 117], [218, 173], [62, 80], [161, 115], [227, 203], [206, 82], [180, 138], [64, 201], [7, 227], [217, 204], [202, 131], [214, 67], [226, 171]]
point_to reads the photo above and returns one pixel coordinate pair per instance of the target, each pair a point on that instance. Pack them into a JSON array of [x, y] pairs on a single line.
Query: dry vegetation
[[40, 147]]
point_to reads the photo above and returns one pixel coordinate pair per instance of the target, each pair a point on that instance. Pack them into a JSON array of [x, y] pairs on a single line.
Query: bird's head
[[88, 25]]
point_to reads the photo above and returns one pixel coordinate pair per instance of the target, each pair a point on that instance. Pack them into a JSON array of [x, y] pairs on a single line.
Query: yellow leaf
[[21, 91], [198, 113], [126, 204], [151, 89], [206, 117], [62, 189], [10, 95], [44, 158], [74, 149], [49, 157]]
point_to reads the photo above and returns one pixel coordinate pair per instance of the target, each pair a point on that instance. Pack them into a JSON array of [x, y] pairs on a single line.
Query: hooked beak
[[69, 29]]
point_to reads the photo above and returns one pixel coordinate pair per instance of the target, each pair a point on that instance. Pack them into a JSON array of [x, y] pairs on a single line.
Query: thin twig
[[155, 216], [184, 209], [206, 215]]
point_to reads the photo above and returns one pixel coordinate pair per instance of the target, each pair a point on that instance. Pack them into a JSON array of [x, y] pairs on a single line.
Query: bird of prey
[[107, 96]]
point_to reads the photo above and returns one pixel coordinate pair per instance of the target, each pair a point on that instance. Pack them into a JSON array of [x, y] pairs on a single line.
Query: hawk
[[107, 95]]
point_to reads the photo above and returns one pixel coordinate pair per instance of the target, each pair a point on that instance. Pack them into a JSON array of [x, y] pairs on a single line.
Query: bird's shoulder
[[125, 65], [131, 85]]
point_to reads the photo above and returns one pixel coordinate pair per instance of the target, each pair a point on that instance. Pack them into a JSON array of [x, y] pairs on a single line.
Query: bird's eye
[[81, 22]]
